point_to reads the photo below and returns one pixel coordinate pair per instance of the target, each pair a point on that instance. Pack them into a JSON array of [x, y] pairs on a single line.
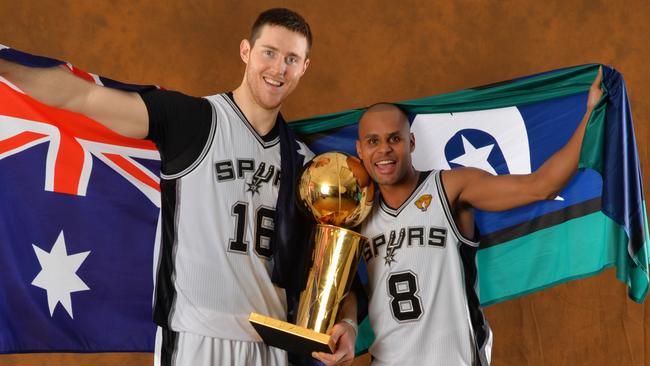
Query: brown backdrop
[[369, 51]]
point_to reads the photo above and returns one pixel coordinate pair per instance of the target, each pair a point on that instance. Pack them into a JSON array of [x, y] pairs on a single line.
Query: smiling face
[[385, 144], [275, 62]]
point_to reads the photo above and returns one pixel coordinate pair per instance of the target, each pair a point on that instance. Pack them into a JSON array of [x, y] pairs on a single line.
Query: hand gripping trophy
[[337, 191]]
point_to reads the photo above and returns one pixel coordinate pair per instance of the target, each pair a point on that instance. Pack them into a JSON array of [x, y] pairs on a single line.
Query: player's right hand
[[343, 336]]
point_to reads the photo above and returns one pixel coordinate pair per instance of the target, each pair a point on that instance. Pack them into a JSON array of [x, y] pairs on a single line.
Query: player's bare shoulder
[[455, 181]]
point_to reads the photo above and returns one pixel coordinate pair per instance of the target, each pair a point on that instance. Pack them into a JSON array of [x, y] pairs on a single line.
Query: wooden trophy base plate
[[290, 337]]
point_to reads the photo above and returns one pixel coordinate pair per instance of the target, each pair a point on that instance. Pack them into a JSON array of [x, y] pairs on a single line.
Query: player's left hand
[[595, 92], [343, 336]]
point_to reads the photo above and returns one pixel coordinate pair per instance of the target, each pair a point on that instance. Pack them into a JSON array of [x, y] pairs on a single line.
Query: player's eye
[[291, 60], [267, 53], [394, 139]]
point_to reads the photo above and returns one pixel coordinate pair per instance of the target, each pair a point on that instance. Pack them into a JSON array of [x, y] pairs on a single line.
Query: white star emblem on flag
[[58, 274]]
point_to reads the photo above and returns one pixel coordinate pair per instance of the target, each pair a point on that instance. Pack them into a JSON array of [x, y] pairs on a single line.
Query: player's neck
[[394, 195], [260, 118]]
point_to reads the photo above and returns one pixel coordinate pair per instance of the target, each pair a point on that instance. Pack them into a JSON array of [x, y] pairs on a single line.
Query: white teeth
[[385, 162], [273, 82]]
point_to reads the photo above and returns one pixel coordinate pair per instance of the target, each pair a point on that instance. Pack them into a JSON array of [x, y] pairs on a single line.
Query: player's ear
[[304, 68], [358, 144], [412, 141], [245, 50]]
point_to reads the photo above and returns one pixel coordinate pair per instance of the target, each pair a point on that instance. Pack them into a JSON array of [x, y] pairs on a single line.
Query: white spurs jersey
[[424, 307], [217, 264]]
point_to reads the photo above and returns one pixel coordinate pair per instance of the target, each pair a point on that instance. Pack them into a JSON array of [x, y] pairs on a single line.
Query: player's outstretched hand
[[343, 336], [595, 92]]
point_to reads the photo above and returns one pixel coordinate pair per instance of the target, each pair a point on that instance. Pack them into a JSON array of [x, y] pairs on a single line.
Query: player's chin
[[274, 97], [384, 178], [272, 102]]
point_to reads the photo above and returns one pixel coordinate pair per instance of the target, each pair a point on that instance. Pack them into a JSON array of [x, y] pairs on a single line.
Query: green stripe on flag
[[365, 337], [577, 248]]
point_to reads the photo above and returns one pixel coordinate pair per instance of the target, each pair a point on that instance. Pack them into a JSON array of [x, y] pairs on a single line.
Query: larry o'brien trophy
[[338, 192]]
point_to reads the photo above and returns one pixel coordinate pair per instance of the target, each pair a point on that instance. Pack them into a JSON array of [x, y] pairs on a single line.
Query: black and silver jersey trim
[[447, 209], [260, 139], [396, 212], [165, 290]]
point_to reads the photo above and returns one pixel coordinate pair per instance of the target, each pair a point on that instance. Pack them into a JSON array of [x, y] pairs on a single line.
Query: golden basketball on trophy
[[336, 189]]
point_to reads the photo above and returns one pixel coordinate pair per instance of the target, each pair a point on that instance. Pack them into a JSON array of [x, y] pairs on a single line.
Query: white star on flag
[[58, 274], [477, 158], [305, 152]]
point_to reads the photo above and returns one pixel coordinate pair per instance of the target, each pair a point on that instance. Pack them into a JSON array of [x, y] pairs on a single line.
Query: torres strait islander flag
[[599, 219], [79, 208], [80, 204]]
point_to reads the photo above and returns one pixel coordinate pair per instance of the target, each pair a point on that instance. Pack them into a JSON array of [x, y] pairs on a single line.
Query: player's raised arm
[[479, 189], [123, 112]]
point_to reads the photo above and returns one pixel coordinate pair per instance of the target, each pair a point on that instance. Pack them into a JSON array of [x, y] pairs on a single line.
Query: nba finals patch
[[423, 202]]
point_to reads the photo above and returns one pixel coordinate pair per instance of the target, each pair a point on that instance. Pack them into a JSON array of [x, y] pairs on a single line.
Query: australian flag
[[79, 210]]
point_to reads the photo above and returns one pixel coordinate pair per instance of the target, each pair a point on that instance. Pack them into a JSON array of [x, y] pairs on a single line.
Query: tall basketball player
[[423, 308], [221, 162]]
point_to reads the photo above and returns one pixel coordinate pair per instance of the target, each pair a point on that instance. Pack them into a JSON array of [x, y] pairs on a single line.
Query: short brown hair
[[285, 18]]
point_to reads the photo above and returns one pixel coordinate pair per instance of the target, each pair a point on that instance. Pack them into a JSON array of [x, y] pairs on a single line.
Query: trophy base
[[290, 337]]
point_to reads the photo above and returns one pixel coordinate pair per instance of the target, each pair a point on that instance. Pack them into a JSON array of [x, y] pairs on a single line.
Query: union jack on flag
[[79, 211]]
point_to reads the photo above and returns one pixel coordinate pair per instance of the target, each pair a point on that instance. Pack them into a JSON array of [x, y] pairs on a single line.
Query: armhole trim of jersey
[[447, 209], [204, 152]]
